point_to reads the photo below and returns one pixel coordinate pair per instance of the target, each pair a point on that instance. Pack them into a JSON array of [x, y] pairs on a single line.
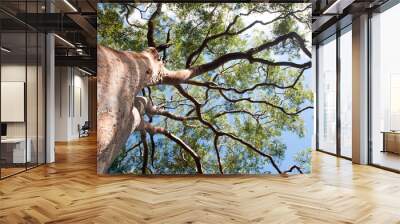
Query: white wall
[[12, 73], [71, 102], [33, 126], [80, 110], [16, 73], [61, 103]]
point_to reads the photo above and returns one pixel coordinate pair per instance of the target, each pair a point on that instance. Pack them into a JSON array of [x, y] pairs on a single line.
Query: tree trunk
[[121, 75]]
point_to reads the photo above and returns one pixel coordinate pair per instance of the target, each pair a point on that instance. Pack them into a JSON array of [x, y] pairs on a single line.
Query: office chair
[[84, 130]]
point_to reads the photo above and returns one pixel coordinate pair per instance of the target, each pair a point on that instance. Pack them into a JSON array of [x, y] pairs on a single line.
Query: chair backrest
[[86, 125]]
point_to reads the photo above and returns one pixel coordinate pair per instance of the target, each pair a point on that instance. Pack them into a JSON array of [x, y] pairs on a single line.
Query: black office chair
[[84, 130]]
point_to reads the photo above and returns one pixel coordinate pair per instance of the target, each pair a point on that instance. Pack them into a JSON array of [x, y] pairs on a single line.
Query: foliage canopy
[[257, 102]]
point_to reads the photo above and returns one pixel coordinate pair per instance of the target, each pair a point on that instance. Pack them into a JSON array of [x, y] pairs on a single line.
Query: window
[[346, 92], [385, 89], [327, 95], [334, 106]]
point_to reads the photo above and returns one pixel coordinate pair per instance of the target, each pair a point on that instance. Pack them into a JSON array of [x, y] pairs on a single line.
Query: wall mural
[[204, 88]]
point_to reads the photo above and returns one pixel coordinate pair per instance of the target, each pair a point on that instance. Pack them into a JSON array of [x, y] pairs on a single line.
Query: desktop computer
[[3, 131]]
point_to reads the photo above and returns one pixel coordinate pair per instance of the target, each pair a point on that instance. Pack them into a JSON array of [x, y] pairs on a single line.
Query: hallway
[[70, 191]]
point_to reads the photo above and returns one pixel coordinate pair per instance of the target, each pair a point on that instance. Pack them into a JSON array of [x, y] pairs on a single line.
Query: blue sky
[[293, 142]]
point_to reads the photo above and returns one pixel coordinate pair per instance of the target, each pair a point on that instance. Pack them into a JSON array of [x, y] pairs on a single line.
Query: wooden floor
[[5, 172], [69, 191], [387, 159]]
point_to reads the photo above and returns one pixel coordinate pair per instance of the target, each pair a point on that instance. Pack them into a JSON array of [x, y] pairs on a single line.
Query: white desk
[[19, 154]]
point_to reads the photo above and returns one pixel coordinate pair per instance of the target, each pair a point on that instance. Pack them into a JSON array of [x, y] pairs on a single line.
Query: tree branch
[[198, 105], [266, 103], [227, 32], [167, 44], [150, 110], [150, 26], [128, 150], [280, 63], [128, 7], [150, 32], [221, 133], [213, 85], [159, 130], [156, 111], [145, 151], [153, 149], [255, 116], [133, 147], [176, 77], [218, 156], [294, 167]]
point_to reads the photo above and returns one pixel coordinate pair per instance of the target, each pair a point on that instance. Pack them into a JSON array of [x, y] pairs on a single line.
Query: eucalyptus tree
[[200, 88]]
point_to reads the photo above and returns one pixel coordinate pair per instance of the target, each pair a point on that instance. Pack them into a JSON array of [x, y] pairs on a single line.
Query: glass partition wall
[[385, 89], [334, 93], [327, 95], [22, 88], [345, 61]]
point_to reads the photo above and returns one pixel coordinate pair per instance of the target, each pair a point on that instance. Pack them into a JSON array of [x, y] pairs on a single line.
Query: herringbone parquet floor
[[69, 191]]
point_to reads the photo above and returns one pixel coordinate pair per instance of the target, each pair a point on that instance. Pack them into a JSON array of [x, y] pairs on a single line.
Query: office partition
[[22, 78]]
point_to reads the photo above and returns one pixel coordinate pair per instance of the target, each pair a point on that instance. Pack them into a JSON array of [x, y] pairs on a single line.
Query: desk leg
[[384, 142]]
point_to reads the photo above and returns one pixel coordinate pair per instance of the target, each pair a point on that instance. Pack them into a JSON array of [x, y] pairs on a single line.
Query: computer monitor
[[3, 129]]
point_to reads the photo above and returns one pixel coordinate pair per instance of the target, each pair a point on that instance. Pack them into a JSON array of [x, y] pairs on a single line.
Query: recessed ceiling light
[[84, 71], [337, 7], [64, 40], [70, 5], [5, 50]]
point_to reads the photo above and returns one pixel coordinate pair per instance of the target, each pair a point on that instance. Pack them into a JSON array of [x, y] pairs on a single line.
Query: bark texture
[[121, 75]]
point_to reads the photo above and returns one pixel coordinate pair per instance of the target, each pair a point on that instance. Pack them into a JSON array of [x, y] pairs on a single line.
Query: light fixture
[[337, 7], [84, 71], [70, 5], [5, 50], [64, 40]]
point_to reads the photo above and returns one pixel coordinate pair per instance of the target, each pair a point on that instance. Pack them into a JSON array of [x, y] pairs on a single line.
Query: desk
[[13, 150], [391, 141]]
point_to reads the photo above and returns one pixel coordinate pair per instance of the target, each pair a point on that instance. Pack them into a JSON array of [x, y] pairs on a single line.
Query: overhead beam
[[84, 61], [331, 28], [320, 22], [86, 27], [49, 22], [337, 7]]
